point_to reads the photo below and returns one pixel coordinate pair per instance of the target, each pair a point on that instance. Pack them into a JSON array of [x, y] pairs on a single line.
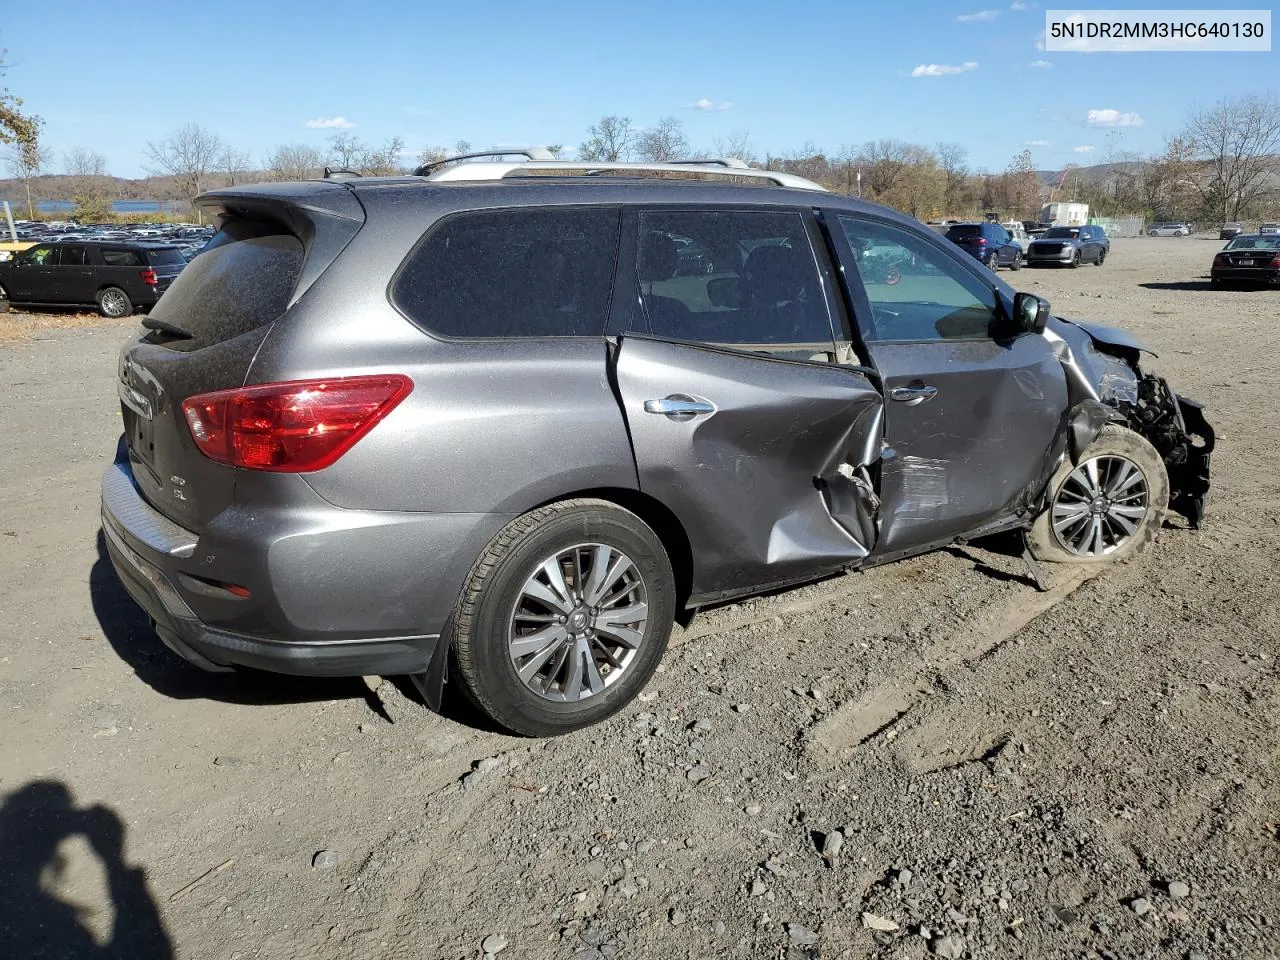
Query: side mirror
[[1030, 313]]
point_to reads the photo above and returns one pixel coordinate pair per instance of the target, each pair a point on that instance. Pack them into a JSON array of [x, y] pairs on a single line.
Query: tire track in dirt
[[881, 708]]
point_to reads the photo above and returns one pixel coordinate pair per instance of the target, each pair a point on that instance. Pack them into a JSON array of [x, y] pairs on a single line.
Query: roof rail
[[732, 162], [694, 169], [530, 153]]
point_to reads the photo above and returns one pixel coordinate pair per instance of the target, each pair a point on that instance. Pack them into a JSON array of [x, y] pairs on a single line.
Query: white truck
[[1065, 214]]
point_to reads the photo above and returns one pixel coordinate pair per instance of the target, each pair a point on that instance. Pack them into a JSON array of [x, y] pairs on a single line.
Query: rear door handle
[[678, 406], [913, 393]]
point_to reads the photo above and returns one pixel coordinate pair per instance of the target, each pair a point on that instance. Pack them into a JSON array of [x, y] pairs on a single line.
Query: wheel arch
[[660, 519]]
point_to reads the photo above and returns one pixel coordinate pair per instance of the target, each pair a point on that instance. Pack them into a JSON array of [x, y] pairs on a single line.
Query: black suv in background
[[116, 276], [989, 243]]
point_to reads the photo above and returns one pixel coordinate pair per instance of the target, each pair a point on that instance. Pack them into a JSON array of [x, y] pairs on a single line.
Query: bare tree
[[736, 145], [951, 159], [1237, 141], [235, 165], [608, 141], [462, 146], [884, 163], [294, 161], [1022, 186], [84, 162], [346, 150], [664, 142], [384, 160], [189, 154], [26, 162], [432, 154]]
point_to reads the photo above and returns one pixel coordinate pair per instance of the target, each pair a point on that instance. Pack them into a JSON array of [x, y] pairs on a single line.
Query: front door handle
[[678, 406], [913, 393]]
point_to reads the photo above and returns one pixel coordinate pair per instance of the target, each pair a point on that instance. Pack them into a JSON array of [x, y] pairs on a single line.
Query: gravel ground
[[928, 759]]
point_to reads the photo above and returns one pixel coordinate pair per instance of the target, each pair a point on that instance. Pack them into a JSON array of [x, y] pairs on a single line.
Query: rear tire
[[1114, 445], [1102, 255], [1017, 261], [994, 263], [501, 605], [4, 300], [114, 303]]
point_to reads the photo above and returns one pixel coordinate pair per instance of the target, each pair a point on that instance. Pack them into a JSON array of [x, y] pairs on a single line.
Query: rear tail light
[[148, 277], [982, 241], [1275, 261], [291, 427], [1221, 260]]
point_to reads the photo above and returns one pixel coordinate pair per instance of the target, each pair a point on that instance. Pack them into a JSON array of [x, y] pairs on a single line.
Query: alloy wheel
[[1100, 506], [578, 622], [114, 303]]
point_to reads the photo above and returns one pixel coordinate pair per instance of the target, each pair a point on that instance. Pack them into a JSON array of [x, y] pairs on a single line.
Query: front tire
[[4, 300], [114, 303], [564, 617], [1107, 507], [1075, 260]]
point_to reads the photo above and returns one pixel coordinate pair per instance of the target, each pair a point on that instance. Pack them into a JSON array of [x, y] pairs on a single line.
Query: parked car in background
[[1018, 234], [1168, 230], [1252, 259], [987, 242], [117, 277], [1071, 246], [317, 476], [1229, 231], [1269, 228]]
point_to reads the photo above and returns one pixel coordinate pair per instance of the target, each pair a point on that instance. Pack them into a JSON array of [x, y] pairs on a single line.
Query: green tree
[[17, 127]]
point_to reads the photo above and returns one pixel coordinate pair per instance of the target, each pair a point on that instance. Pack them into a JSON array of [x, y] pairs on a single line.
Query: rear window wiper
[[165, 327]]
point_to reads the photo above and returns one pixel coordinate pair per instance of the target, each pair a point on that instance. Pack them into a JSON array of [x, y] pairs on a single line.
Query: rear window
[[973, 230], [242, 280], [512, 273], [163, 258], [1254, 243]]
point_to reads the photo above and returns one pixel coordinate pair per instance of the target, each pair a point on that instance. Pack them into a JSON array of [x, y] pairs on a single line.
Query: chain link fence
[[1119, 226]]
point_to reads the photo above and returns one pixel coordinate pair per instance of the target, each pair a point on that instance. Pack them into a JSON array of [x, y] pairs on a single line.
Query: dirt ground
[[1089, 772]]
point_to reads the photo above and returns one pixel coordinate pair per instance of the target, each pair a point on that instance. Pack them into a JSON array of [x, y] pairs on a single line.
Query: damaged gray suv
[[500, 423]]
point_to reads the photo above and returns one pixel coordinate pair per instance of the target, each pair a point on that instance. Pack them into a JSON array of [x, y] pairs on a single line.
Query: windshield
[[1254, 243], [1062, 233]]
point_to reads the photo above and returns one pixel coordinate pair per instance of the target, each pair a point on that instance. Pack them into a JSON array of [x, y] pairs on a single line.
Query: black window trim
[[861, 302], [638, 319], [452, 215]]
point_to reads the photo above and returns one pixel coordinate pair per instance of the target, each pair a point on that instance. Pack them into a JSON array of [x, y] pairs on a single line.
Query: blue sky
[[111, 75]]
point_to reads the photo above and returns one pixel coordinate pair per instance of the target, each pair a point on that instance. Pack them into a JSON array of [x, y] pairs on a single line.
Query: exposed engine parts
[[1176, 427]]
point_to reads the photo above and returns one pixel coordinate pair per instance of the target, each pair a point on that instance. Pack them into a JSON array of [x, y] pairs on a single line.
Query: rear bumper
[[320, 632], [1268, 275]]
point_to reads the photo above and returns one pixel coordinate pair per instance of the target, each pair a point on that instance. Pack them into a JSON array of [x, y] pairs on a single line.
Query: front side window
[[39, 257], [742, 279], [538, 272], [917, 292]]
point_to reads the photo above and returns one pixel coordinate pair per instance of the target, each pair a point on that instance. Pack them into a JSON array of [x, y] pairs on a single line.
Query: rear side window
[[162, 258], [512, 273], [74, 256], [121, 258], [742, 279], [241, 281]]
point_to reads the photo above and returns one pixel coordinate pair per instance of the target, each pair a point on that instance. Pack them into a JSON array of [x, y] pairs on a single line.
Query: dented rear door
[[742, 420], [974, 419]]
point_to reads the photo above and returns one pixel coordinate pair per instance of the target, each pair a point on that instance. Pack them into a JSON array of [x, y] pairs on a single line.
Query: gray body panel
[[741, 480]]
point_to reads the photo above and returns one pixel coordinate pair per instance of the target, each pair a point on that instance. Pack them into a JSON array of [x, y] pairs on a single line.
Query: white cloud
[[705, 104], [1037, 143], [332, 123], [1021, 5], [978, 17], [1040, 64], [1113, 118], [943, 69], [1086, 148], [1040, 40]]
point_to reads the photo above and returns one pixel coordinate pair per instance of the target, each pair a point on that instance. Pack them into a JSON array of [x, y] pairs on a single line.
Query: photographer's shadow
[[34, 821]]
